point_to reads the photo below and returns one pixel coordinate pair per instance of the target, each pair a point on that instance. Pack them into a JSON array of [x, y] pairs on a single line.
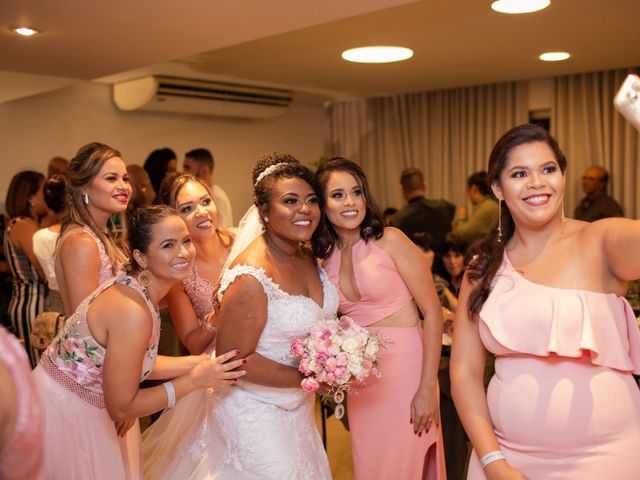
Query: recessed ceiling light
[[380, 54], [554, 56], [519, 6], [25, 31]]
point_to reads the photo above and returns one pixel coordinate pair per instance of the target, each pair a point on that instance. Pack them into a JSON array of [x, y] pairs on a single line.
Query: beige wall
[[32, 130]]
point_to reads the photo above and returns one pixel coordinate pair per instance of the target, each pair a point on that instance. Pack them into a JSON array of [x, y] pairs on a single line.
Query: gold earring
[[563, 222], [145, 277], [499, 220]]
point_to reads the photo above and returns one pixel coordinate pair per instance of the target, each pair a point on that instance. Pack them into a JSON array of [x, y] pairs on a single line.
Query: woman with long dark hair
[[382, 280], [545, 294]]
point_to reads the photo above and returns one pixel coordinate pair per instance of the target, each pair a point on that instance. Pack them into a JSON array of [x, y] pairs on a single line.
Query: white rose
[[350, 345], [371, 350], [355, 368]]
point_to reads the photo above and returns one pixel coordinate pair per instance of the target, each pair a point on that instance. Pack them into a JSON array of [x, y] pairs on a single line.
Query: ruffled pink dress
[[383, 443], [563, 402], [21, 456], [80, 437]]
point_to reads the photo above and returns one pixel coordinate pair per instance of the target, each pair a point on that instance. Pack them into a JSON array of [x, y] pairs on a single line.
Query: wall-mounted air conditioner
[[202, 97]]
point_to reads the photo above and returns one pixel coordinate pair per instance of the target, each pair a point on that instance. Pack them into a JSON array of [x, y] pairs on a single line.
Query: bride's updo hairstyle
[[140, 224], [485, 256], [272, 167], [372, 226]]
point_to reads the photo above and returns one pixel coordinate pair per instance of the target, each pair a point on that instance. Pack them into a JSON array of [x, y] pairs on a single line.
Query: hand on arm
[[242, 317], [414, 270], [184, 318]]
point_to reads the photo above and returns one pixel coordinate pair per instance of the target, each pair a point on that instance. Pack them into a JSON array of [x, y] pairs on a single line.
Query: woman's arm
[[620, 242], [127, 324], [184, 318], [242, 317], [414, 269], [22, 234], [468, 358], [79, 259]]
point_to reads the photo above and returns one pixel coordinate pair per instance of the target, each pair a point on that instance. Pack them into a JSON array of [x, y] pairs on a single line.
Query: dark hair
[[164, 194], [372, 226], [83, 168], [450, 246], [140, 229], [55, 193], [23, 185], [411, 179], [156, 165], [486, 254], [201, 156], [481, 181], [58, 166], [389, 211]]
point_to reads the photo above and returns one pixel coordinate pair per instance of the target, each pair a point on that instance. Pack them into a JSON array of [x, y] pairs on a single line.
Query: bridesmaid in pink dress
[[90, 374], [380, 277], [545, 295], [20, 414]]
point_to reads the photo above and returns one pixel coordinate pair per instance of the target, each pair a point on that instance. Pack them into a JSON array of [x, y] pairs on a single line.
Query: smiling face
[[109, 191], [198, 210], [293, 212], [170, 254], [531, 184], [453, 263], [345, 201]]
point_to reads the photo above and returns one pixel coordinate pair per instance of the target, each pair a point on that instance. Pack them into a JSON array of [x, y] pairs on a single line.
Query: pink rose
[[310, 384], [331, 364], [297, 349]]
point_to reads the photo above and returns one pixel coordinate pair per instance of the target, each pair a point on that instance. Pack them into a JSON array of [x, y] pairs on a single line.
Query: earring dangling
[[563, 222], [85, 198], [145, 277], [499, 220], [266, 219]]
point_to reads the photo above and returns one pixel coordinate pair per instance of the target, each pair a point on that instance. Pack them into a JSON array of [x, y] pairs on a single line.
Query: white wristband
[[171, 394], [491, 457]]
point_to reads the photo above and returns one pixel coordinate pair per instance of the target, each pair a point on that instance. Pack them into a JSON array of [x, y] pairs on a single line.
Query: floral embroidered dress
[[200, 292], [80, 436]]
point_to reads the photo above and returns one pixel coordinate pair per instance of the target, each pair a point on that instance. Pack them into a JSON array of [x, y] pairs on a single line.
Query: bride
[[273, 292]]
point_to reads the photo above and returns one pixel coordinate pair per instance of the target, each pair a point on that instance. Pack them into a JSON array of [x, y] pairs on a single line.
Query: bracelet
[[207, 326], [171, 394], [491, 457]]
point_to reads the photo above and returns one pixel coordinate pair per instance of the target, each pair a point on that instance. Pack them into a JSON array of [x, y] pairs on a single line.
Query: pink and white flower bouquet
[[337, 352]]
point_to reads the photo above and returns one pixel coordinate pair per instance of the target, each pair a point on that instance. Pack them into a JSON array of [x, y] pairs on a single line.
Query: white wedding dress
[[248, 431]]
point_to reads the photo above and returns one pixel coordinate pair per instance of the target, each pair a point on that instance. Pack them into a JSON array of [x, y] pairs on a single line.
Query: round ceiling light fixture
[[519, 6], [25, 31], [378, 54], [554, 56]]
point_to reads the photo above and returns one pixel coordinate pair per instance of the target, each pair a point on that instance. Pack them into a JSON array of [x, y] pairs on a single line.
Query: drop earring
[[85, 198], [499, 220], [563, 222], [266, 219]]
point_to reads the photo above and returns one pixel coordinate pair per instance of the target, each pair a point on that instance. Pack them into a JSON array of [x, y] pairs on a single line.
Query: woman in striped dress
[[24, 204]]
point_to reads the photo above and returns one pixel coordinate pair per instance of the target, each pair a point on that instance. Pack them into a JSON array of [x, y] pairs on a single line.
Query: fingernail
[[244, 361], [237, 351]]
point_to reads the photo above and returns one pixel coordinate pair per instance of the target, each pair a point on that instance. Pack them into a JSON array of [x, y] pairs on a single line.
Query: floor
[[338, 447]]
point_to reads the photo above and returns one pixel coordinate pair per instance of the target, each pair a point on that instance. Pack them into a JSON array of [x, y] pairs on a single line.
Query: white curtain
[[591, 132], [447, 134]]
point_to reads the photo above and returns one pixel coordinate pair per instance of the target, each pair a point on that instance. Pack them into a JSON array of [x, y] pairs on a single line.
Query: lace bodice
[[200, 293], [288, 316], [75, 359]]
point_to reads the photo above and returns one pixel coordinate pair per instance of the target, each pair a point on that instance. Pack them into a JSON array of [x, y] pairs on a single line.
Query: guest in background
[[58, 166], [86, 255], [199, 163], [452, 254], [159, 164], [468, 228], [143, 192], [382, 279], [422, 215], [45, 240], [24, 204], [190, 301], [21, 430], [90, 374], [544, 293], [387, 214], [597, 203]]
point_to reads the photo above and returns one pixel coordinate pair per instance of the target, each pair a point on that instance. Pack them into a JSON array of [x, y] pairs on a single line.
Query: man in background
[[422, 219], [468, 228], [199, 163], [596, 204]]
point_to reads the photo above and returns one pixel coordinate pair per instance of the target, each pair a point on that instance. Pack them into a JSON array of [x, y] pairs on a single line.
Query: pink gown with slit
[[563, 401], [383, 442], [80, 437]]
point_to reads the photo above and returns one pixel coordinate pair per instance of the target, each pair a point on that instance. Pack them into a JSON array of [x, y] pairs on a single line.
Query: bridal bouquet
[[336, 352]]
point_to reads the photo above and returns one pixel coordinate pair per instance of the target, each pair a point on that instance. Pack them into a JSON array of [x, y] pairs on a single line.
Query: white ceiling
[[297, 43]]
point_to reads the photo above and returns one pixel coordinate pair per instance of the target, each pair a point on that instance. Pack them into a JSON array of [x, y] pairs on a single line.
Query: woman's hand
[[217, 371], [123, 426], [501, 470], [424, 410]]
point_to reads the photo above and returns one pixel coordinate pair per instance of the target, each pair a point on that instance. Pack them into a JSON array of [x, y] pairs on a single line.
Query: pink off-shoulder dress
[[563, 401], [383, 443], [80, 437]]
